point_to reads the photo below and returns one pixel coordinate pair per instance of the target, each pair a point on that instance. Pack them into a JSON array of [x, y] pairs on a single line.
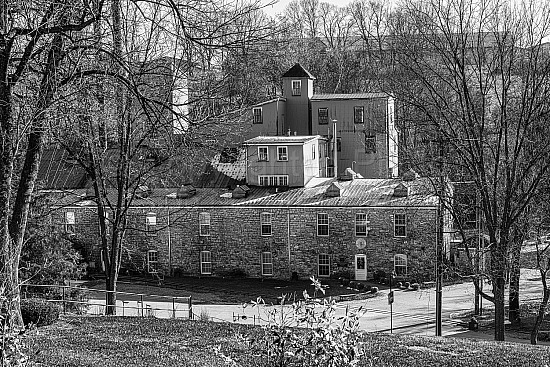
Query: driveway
[[413, 311]]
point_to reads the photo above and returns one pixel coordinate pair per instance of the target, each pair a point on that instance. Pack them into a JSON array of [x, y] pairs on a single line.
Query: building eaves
[[282, 99], [293, 139], [333, 96]]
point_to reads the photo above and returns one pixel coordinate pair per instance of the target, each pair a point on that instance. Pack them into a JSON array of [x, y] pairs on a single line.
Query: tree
[[477, 75], [35, 40], [146, 98]]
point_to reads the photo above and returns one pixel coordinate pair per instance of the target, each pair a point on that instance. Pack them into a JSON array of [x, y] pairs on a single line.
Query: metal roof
[[332, 96], [283, 99], [355, 193], [57, 171], [297, 71], [293, 139]]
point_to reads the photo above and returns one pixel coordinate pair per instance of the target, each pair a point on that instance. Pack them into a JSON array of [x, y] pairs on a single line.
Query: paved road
[[413, 311]]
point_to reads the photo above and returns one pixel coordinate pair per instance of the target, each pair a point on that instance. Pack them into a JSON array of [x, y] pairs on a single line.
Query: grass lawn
[[125, 341], [214, 290]]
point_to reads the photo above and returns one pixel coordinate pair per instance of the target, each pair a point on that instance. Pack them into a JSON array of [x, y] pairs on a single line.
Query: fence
[[94, 301]]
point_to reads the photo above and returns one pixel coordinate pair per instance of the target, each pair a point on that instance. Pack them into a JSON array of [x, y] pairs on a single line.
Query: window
[[152, 261], [360, 224], [322, 224], [400, 225], [313, 149], [358, 114], [267, 263], [204, 224], [324, 265], [107, 224], [323, 116], [400, 264], [339, 144], [263, 154], [206, 262], [282, 154], [151, 224], [265, 221], [296, 87], [70, 222], [273, 180], [370, 144], [257, 115]]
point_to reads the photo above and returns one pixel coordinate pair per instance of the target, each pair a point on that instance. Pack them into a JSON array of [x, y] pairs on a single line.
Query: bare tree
[[476, 74], [156, 94], [35, 40]]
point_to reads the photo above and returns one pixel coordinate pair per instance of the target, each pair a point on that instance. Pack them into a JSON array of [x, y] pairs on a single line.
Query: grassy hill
[[129, 341]]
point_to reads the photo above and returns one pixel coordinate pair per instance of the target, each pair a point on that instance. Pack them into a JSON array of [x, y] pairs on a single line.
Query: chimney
[[295, 133], [288, 132]]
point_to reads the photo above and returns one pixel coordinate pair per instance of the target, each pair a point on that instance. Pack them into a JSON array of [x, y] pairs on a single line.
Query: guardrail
[[81, 299]]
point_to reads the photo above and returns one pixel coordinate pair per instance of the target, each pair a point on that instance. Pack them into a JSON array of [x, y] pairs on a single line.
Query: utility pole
[[439, 242]]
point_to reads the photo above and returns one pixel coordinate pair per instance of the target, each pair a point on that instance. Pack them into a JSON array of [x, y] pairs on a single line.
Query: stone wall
[[236, 243]]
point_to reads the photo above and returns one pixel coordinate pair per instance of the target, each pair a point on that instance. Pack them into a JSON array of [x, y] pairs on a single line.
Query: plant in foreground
[[307, 332]]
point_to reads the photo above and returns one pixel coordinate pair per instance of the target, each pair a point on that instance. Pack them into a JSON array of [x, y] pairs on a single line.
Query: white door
[[360, 267]]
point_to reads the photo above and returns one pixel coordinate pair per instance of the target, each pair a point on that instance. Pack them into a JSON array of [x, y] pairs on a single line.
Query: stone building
[[330, 227]]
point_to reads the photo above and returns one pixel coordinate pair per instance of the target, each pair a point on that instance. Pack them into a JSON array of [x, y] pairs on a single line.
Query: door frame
[[360, 275]]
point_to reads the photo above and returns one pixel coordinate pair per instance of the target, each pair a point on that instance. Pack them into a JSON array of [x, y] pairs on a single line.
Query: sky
[[281, 5]]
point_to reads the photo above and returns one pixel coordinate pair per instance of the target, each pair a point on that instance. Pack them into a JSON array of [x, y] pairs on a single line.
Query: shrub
[[324, 340], [367, 288], [415, 286], [360, 286], [353, 284], [374, 290], [237, 273], [407, 285], [345, 282], [38, 311]]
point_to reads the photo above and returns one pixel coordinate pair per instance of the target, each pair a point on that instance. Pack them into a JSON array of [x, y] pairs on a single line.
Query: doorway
[[360, 267]]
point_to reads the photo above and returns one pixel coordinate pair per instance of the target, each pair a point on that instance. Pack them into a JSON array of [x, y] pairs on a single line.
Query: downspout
[[169, 239], [335, 148], [288, 243], [277, 118]]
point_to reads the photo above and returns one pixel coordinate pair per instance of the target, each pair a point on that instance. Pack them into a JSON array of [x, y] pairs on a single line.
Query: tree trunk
[[498, 291], [111, 295], [540, 315], [498, 264], [513, 297]]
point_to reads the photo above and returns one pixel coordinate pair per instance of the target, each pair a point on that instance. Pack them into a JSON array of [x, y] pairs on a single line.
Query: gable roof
[[357, 193], [297, 71]]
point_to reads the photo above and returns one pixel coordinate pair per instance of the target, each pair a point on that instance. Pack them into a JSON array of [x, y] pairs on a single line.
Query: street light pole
[[439, 241]]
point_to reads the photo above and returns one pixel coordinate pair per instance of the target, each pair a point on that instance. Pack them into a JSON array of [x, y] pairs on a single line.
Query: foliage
[[48, 257], [11, 349], [39, 311], [325, 341]]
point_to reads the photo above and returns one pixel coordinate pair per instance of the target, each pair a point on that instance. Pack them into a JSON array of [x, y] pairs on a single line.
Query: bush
[[38, 311], [345, 282], [237, 273], [367, 288], [374, 290], [415, 286], [360, 286], [353, 284]]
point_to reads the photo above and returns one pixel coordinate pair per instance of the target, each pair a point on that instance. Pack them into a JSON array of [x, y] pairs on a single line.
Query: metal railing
[[82, 299]]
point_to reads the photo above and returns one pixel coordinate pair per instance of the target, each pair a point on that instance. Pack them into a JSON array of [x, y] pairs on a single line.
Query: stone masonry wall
[[235, 241]]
